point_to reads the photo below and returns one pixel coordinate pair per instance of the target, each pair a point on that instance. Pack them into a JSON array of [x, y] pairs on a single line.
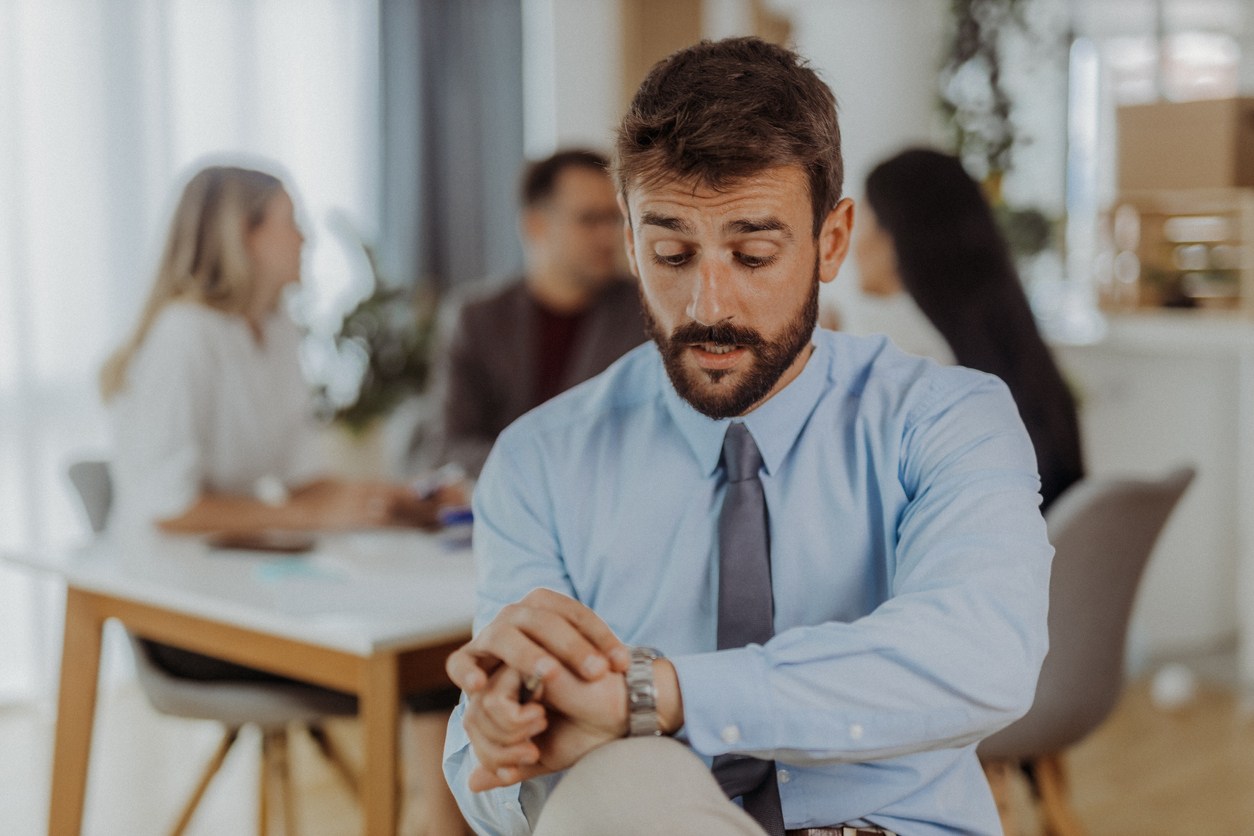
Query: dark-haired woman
[[927, 229]]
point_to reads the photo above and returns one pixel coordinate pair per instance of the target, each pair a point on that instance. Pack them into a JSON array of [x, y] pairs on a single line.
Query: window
[[114, 101]]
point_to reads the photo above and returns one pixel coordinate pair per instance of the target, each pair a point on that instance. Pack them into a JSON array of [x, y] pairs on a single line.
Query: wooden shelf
[[1183, 247]]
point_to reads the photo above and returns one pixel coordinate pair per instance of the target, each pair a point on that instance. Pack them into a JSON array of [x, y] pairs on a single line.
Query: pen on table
[[430, 484]]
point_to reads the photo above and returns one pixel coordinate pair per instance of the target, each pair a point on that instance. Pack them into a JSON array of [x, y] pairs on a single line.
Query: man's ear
[[629, 235], [534, 223], [834, 238]]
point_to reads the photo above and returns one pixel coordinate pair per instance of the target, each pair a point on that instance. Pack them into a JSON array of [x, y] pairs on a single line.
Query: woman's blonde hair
[[205, 259]]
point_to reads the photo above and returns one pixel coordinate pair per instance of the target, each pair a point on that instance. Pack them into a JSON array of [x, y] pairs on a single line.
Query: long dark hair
[[953, 261]]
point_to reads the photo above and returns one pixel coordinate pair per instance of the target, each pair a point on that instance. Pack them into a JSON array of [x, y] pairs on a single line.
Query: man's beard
[[770, 358]]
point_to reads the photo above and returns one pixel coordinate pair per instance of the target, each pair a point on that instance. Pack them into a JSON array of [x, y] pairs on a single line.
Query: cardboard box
[[1186, 145]]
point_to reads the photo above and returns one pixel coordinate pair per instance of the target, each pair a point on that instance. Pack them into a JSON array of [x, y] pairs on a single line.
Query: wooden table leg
[[380, 712], [999, 774], [1051, 778], [76, 711]]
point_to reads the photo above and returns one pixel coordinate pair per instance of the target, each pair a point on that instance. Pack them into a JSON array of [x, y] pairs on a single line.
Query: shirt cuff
[[715, 724], [496, 811]]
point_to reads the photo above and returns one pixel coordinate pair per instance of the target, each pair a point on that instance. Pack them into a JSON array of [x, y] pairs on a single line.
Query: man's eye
[[675, 260], [753, 262]]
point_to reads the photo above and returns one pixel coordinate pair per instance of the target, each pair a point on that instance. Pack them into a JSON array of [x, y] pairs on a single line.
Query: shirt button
[[731, 734], [855, 731], [784, 776]]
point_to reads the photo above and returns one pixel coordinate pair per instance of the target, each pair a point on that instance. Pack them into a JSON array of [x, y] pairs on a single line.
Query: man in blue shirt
[[908, 563]]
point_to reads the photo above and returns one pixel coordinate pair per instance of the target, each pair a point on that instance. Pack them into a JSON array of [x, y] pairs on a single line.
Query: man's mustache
[[720, 333]]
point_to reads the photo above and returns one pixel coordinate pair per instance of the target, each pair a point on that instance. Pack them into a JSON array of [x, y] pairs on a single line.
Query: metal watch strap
[[642, 719]]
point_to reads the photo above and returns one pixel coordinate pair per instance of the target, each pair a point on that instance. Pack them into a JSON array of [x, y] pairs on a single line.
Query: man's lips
[[716, 356]]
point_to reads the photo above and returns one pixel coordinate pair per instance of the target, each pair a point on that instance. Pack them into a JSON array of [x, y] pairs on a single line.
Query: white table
[[373, 614]]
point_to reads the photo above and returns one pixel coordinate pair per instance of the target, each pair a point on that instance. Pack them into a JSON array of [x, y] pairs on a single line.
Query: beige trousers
[[642, 786]]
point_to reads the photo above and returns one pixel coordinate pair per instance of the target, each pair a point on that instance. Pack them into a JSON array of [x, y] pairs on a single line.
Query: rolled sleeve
[[516, 551]]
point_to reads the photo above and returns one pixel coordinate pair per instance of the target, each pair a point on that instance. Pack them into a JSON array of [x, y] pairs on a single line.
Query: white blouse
[[898, 317], [207, 408]]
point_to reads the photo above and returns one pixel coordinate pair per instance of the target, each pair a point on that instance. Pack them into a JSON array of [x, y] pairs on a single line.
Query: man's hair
[[718, 112], [539, 178]]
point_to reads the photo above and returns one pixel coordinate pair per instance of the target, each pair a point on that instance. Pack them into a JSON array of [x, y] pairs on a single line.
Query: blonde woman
[[212, 419], [213, 427]]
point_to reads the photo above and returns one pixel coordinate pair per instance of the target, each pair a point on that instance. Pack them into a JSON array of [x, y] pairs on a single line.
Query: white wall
[[880, 56], [881, 59], [572, 53], [726, 18]]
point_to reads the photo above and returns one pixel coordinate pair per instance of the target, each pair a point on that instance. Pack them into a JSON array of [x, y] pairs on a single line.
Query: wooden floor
[[145, 765], [1146, 772], [1153, 772], [1187, 771]]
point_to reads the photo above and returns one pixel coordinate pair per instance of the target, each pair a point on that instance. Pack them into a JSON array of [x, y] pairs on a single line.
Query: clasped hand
[[579, 704], [335, 504]]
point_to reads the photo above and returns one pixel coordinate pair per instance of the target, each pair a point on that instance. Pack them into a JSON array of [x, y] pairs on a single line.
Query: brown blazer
[[487, 379]]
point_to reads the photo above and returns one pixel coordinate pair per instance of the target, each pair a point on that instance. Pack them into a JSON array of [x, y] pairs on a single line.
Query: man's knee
[[636, 786]]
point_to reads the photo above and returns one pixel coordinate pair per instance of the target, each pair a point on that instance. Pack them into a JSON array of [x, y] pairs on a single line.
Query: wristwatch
[[642, 719]]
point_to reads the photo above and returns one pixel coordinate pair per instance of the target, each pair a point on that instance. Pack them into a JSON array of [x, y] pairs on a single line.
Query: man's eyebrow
[[748, 226], [666, 222]]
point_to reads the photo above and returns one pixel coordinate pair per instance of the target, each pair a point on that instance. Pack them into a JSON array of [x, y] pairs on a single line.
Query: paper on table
[[361, 589]]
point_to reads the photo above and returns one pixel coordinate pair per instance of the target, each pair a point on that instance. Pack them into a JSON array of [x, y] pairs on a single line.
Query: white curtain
[[104, 107]]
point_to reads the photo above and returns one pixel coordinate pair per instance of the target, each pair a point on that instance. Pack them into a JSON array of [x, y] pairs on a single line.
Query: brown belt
[[839, 830]]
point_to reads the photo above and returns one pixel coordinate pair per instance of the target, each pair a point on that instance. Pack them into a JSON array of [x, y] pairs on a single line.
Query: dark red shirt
[[555, 341]]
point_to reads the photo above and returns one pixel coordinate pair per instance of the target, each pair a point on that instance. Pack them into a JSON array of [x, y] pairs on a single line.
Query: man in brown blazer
[[566, 320]]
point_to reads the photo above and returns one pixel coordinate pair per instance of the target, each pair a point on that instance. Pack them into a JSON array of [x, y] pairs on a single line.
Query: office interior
[[403, 126]]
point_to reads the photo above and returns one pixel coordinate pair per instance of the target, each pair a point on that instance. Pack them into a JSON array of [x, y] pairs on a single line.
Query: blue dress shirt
[[909, 563]]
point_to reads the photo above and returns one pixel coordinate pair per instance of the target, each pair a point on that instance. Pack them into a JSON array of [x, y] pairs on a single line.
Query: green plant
[[391, 333], [973, 97], [980, 112], [1027, 230]]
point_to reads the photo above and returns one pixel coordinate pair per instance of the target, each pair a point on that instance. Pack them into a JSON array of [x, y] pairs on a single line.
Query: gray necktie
[[746, 609]]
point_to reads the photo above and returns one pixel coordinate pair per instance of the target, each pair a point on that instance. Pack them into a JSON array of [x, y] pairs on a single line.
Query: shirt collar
[[775, 425]]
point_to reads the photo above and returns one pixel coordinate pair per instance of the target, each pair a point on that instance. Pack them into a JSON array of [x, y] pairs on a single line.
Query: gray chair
[[95, 491], [274, 708], [1103, 532]]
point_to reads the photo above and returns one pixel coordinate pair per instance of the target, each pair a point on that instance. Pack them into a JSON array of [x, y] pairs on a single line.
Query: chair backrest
[[1103, 531], [95, 489], [268, 704]]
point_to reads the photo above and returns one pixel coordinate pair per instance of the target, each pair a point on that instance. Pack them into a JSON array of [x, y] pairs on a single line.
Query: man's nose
[[711, 285]]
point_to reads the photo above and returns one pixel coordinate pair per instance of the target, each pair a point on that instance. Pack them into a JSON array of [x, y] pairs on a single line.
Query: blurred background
[[403, 125]]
